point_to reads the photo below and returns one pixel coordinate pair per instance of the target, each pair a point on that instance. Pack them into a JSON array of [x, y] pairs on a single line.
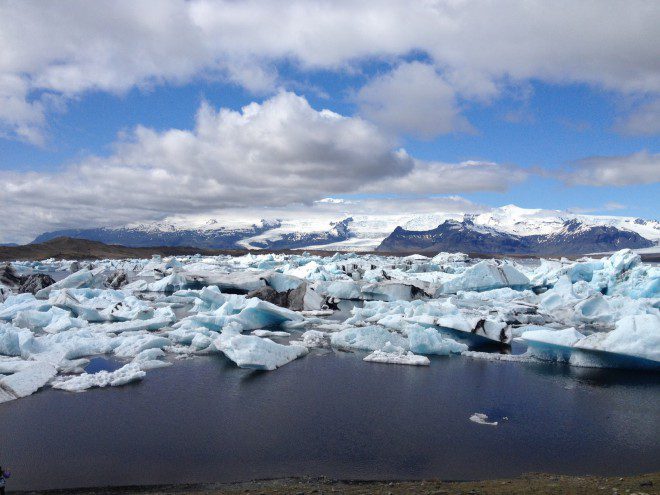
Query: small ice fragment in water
[[482, 419]]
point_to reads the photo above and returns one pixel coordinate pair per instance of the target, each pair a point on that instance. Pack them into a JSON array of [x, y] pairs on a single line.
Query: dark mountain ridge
[[573, 238]]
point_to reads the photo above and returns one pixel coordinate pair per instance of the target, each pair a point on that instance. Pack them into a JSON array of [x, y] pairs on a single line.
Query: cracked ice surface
[[146, 313]]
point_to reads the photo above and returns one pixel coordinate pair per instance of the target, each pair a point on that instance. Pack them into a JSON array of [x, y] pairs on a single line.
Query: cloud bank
[[627, 170], [269, 154], [51, 52]]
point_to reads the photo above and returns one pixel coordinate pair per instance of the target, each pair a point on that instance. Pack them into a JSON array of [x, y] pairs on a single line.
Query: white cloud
[[412, 99], [643, 121], [272, 154], [637, 168], [76, 46], [447, 178]]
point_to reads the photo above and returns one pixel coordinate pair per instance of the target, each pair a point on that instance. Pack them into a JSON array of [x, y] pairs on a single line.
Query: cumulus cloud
[[447, 178], [637, 168], [64, 49], [269, 154], [412, 99]]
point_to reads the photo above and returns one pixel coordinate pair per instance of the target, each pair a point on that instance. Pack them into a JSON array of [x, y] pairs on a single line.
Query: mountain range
[[505, 230]]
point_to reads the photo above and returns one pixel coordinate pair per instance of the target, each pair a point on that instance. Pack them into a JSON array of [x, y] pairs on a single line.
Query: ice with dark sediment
[[263, 312]]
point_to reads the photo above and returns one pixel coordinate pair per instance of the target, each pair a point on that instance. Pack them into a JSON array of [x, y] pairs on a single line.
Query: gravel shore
[[529, 484]]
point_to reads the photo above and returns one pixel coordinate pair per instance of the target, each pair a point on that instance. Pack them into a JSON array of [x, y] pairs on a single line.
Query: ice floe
[[262, 311]]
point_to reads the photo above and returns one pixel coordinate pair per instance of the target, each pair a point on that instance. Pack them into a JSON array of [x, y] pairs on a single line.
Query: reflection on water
[[332, 414]]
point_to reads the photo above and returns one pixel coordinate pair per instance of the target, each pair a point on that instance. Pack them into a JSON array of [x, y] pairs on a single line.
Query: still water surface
[[331, 414]]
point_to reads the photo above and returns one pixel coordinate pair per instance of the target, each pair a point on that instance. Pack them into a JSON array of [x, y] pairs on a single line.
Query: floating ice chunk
[[482, 419], [281, 282], [397, 355], [552, 345], [392, 291], [595, 309], [150, 359], [185, 335], [28, 380], [139, 285], [370, 338], [128, 373], [66, 300], [162, 318], [250, 351], [315, 338], [269, 333], [305, 298], [243, 282], [172, 282], [260, 314], [129, 308], [201, 342], [486, 275], [637, 335], [443, 258], [207, 299], [480, 330], [14, 341], [567, 337], [33, 320], [340, 289], [10, 365], [82, 278], [134, 344], [306, 271], [493, 356], [622, 260], [429, 341], [20, 302]]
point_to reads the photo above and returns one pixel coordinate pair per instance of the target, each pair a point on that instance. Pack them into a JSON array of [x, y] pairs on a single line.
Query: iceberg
[[429, 341], [133, 345], [485, 275], [482, 419], [396, 355], [252, 352], [131, 372], [637, 335], [82, 278], [370, 338], [592, 312], [260, 314], [27, 381]]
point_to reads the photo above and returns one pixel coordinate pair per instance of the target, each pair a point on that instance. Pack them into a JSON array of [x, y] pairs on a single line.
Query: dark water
[[332, 414]]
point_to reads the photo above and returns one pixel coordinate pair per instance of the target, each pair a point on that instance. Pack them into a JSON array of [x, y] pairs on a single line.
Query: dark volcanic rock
[[117, 279], [35, 282], [8, 276], [268, 294]]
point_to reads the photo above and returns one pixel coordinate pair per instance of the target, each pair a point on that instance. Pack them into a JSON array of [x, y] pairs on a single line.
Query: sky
[[117, 111]]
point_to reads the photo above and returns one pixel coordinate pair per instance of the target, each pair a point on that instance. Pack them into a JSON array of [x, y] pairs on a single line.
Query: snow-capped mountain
[[573, 237], [508, 229]]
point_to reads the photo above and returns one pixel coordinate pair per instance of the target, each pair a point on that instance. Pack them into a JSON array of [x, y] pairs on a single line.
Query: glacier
[[265, 311]]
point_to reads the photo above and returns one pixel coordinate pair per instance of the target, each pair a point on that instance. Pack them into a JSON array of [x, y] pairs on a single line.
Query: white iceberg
[[250, 351], [27, 381], [370, 338], [396, 355], [126, 374]]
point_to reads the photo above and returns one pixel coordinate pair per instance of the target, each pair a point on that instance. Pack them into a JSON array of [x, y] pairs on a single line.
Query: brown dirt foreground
[[533, 484]]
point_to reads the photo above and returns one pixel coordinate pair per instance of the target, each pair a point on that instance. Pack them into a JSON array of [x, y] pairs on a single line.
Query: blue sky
[[568, 120]]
